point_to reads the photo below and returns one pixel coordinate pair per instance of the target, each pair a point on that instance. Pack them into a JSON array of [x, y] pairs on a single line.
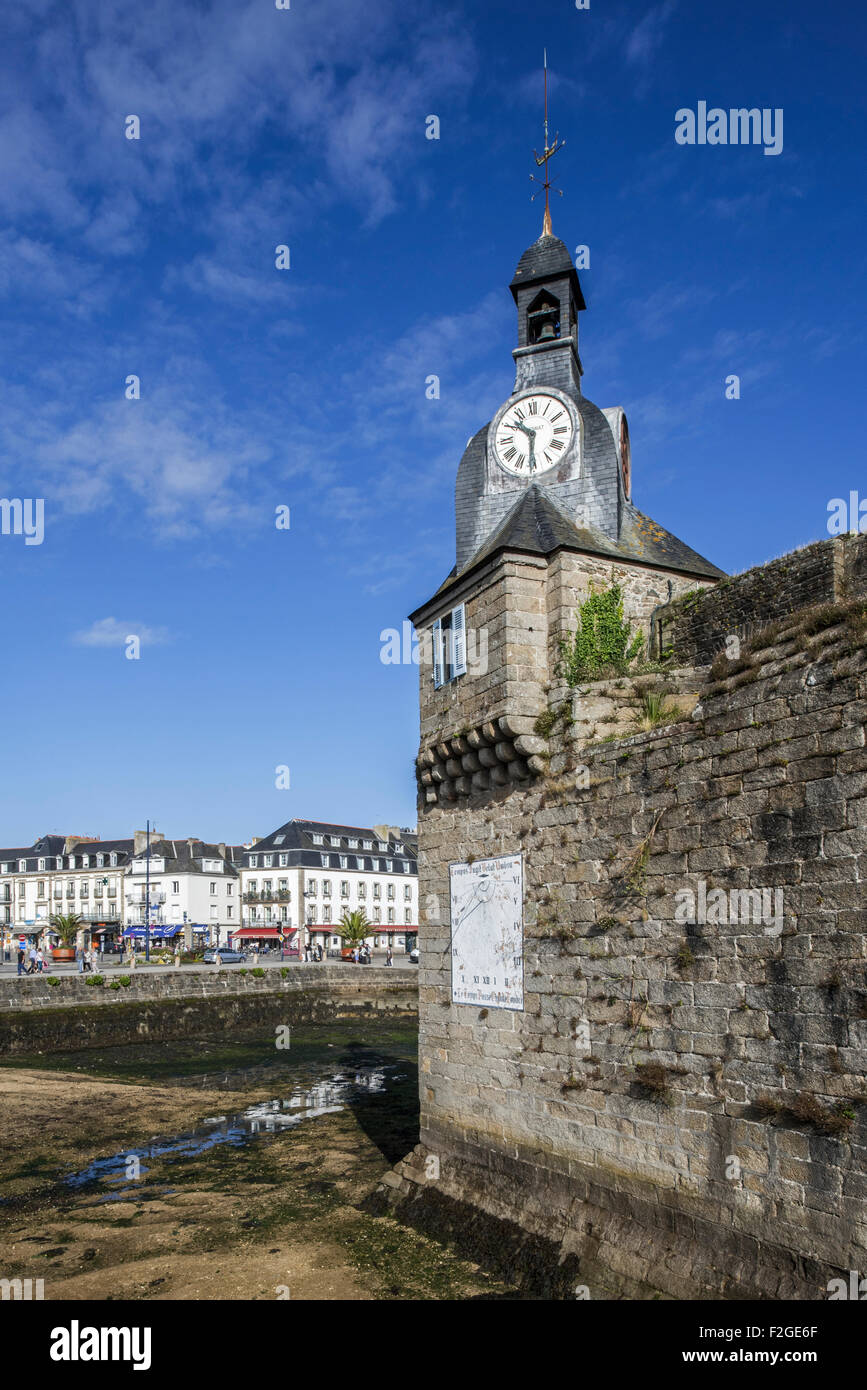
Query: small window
[[326, 887], [311, 885], [176, 886], [324, 858], [41, 865], [318, 840], [254, 861], [267, 861], [344, 862], [100, 860], [284, 860], [449, 647], [112, 859], [230, 888], [367, 844], [407, 917]]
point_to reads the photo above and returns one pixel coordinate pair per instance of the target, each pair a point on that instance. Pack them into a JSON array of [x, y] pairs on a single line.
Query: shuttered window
[[438, 654], [450, 646]]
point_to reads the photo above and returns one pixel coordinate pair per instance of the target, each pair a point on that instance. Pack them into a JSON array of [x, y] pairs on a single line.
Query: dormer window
[[543, 319]]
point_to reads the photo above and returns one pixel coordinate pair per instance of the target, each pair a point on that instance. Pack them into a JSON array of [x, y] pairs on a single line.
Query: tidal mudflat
[[218, 1168]]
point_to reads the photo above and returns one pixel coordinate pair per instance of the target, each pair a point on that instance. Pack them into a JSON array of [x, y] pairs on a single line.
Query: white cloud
[[111, 632], [647, 36]]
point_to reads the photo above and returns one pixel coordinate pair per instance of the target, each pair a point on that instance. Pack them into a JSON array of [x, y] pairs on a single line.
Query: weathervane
[[543, 158]]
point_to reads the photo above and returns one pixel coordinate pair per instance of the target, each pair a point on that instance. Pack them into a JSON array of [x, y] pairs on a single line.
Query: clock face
[[533, 434]]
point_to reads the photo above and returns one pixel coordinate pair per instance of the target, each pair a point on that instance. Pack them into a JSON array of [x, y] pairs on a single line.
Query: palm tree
[[353, 927], [66, 925]]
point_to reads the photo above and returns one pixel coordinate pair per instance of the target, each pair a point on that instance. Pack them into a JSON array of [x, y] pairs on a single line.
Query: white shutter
[[459, 642], [437, 654]]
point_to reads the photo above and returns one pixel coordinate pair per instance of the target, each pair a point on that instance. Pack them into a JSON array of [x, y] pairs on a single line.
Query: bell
[[547, 334]]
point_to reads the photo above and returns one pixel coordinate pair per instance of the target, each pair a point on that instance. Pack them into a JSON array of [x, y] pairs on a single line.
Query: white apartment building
[[195, 894], [293, 886], [62, 874], [298, 881]]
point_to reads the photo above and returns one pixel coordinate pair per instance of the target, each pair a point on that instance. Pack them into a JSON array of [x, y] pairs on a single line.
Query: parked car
[[226, 954]]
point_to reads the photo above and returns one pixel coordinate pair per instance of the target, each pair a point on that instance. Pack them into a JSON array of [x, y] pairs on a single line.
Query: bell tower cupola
[[547, 294]]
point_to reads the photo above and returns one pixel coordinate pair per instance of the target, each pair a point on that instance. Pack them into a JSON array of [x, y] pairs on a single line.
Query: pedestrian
[[40, 961], [31, 970], [389, 959], [21, 958], [79, 956]]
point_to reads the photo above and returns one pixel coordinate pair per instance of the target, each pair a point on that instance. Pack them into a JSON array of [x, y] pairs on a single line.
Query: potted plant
[[352, 929], [67, 926]]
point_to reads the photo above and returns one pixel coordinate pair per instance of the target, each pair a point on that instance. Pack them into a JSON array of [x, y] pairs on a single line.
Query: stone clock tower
[[587, 1063], [543, 512]]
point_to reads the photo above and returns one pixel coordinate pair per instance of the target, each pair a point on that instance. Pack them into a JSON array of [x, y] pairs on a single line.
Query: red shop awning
[[257, 932]]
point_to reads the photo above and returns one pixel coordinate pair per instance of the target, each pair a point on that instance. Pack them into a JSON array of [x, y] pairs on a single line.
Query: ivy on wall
[[602, 642]]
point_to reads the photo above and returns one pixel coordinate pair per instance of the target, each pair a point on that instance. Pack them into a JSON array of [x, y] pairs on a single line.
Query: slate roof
[[547, 257], [297, 841], [102, 847], [536, 525], [182, 856]]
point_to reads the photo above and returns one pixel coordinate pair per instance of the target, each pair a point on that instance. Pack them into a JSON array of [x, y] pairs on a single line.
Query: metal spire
[[543, 158]]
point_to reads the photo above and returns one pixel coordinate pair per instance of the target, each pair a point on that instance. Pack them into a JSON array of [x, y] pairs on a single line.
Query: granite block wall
[[680, 1108]]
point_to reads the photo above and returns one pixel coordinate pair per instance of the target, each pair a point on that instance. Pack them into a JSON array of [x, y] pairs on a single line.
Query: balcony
[[282, 895]]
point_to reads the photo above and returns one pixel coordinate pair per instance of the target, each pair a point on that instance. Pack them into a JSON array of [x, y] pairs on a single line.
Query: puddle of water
[[264, 1119]]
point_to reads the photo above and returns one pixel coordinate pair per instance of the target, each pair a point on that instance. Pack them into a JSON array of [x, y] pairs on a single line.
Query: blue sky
[[306, 387]]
